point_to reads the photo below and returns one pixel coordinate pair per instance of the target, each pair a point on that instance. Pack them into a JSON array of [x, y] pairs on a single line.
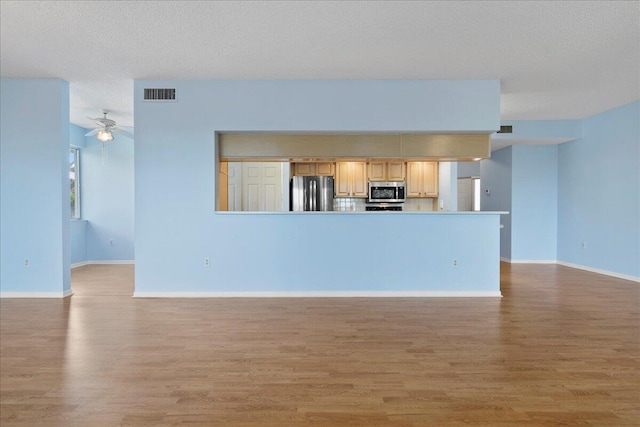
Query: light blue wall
[[34, 185], [587, 190], [176, 227], [534, 202], [468, 169], [108, 199], [541, 130], [495, 176], [529, 231], [598, 193], [78, 241], [76, 136]]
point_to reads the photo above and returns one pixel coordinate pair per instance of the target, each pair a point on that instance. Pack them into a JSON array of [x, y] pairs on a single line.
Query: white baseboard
[[79, 264], [322, 294], [64, 294], [122, 261], [528, 261], [115, 262], [598, 271], [533, 261]]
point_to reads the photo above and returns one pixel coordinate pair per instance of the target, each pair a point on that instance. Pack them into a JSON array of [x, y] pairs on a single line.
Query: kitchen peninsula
[[402, 254]]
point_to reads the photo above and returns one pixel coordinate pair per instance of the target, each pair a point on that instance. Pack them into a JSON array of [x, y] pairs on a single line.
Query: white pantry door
[[465, 194], [261, 186], [235, 186]]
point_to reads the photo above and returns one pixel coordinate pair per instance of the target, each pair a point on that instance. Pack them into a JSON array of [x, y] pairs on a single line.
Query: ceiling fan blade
[[122, 132], [93, 132]]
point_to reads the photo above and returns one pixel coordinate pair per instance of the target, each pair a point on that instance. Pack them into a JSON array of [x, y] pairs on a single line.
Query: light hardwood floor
[[102, 280], [561, 348]]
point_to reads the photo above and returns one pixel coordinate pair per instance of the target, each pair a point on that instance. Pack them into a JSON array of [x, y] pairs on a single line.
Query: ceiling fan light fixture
[[105, 135]]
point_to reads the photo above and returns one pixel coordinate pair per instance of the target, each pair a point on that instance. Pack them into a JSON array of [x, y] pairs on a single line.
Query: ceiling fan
[[106, 128]]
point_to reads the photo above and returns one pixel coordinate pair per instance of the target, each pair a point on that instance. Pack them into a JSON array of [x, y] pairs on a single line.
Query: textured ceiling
[[556, 60]]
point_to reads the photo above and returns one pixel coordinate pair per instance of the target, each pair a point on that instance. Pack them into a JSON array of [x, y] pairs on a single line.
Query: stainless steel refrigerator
[[311, 193]]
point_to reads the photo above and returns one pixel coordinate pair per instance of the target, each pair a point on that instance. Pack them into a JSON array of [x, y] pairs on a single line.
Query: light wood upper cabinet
[[304, 169], [360, 187], [396, 171], [377, 171], [342, 181], [313, 169], [414, 180], [351, 179], [422, 179], [386, 171], [324, 169], [430, 178]]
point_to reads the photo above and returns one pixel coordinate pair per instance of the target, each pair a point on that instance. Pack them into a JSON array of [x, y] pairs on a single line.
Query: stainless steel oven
[[384, 207], [387, 191]]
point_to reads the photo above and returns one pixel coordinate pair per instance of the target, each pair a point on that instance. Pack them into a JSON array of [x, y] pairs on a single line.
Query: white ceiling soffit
[[556, 59]]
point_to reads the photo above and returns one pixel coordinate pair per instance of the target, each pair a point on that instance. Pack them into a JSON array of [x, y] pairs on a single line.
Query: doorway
[[103, 280], [469, 194]]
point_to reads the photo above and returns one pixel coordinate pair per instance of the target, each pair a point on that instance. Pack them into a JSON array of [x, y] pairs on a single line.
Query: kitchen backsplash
[[358, 204], [425, 205], [349, 204]]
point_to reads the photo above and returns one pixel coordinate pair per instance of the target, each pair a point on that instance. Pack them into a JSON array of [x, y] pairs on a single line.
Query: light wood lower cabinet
[[351, 179], [313, 169], [422, 179], [387, 171]]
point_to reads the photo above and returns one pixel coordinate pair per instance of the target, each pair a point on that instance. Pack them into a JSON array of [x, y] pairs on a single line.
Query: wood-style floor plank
[[561, 348]]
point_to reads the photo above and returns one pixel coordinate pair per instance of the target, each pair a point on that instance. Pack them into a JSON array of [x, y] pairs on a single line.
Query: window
[[74, 182]]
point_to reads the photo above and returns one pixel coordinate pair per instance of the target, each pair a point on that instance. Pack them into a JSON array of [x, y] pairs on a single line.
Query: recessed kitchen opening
[[265, 172]]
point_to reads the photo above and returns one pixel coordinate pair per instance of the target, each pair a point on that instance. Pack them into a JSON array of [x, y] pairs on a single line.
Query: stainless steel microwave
[[387, 191]]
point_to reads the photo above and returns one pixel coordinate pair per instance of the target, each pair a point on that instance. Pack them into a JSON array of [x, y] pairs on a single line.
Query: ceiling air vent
[[505, 129], [160, 94]]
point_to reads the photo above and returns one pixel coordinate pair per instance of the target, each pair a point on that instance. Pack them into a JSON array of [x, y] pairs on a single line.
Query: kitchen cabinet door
[[430, 179], [304, 169], [360, 186], [377, 171], [351, 179], [396, 171], [313, 169], [324, 169], [342, 181], [387, 171], [422, 179], [414, 179]]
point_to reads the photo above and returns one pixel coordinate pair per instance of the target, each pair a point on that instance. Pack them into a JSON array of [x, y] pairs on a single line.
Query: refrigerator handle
[[314, 195]]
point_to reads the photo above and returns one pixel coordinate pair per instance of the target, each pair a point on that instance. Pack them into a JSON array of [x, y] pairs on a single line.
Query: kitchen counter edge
[[363, 213]]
